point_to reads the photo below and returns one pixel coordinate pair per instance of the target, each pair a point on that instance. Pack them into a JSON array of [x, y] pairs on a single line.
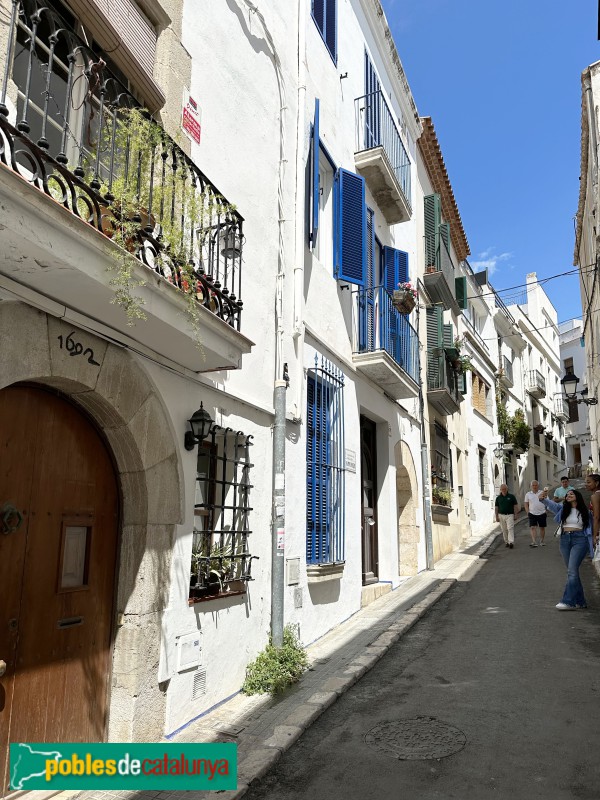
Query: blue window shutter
[[350, 227], [395, 268], [390, 269], [331, 27], [318, 11], [402, 259], [315, 175]]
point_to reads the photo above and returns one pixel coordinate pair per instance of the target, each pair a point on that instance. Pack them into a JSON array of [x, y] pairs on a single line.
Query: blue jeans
[[573, 548]]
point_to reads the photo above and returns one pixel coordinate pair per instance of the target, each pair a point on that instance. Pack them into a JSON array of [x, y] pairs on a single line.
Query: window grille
[[325, 465], [221, 558], [441, 456]]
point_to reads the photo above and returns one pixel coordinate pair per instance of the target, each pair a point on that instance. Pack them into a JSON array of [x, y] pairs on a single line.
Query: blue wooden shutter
[[432, 209], [318, 11], [390, 269], [367, 298], [461, 291], [350, 227], [395, 268], [318, 454], [330, 33], [315, 175]]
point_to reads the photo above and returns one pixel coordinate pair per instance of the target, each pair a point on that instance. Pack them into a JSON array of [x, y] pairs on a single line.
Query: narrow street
[[501, 689]]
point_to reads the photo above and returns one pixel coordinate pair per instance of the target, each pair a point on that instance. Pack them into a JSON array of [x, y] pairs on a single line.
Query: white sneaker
[[564, 607], [542, 544]]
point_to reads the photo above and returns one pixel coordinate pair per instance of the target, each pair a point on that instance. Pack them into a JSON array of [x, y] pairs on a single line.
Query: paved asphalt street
[[493, 675]]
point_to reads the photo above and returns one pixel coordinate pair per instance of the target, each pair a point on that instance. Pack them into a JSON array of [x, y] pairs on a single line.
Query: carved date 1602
[[76, 348]]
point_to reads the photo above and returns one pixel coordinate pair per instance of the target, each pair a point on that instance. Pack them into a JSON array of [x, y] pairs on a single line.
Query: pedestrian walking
[[536, 511], [575, 542], [507, 509], [591, 470], [561, 491]]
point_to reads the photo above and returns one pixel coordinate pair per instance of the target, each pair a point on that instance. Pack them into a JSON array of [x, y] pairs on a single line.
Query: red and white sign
[[191, 118]]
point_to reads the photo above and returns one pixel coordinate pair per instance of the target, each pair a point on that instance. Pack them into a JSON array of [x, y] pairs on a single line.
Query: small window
[[75, 554], [324, 13], [221, 553]]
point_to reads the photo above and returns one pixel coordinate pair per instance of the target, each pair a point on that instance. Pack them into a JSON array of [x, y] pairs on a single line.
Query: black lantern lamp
[[569, 384], [200, 423]]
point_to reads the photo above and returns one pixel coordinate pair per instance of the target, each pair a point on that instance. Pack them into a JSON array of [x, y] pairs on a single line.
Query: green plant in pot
[[442, 496]]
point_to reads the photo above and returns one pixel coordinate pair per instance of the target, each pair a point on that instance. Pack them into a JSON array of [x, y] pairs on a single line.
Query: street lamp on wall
[[569, 384], [200, 423]]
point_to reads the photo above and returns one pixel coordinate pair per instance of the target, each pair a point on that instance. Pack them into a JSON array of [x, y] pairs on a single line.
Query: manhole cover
[[418, 738]]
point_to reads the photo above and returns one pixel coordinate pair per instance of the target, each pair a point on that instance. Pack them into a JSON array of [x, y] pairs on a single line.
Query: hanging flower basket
[[403, 301], [404, 298]]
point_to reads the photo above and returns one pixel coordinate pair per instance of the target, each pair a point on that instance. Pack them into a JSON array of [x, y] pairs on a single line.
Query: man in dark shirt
[[507, 508]]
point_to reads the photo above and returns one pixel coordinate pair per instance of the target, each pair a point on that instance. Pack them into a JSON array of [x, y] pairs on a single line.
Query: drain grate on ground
[[419, 738]]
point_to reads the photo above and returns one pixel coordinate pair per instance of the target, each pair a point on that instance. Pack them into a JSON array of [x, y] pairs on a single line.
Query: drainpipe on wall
[[298, 329], [280, 371], [425, 472]]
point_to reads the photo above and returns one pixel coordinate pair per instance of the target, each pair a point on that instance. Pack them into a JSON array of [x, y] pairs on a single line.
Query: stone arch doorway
[[57, 571], [127, 410], [406, 501]]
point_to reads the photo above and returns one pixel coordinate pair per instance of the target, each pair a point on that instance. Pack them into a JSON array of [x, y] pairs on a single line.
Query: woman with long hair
[[575, 541]]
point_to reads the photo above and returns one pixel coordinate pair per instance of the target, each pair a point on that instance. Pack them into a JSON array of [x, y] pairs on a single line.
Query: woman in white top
[[575, 541]]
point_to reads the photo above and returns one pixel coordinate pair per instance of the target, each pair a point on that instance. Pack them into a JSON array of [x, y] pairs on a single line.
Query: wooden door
[[370, 566], [57, 572]]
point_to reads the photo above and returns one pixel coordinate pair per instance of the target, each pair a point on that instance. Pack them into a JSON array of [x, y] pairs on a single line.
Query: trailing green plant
[[519, 432], [149, 178], [502, 415], [442, 496], [275, 668]]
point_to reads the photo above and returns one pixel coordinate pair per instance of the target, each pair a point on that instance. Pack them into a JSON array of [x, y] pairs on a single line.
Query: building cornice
[[438, 174], [387, 47]]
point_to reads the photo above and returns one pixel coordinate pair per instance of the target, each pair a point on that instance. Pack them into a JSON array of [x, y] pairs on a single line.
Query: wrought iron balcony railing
[[441, 376], [438, 259], [81, 138], [375, 127], [382, 327]]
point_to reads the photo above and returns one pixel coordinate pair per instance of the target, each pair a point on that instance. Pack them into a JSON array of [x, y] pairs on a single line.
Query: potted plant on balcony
[[441, 497], [404, 297], [538, 428]]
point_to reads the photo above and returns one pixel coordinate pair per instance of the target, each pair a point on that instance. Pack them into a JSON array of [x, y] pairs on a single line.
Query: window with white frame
[[484, 483], [325, 464]]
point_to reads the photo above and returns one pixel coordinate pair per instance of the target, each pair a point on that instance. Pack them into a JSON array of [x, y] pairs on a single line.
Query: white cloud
[[490, 261]]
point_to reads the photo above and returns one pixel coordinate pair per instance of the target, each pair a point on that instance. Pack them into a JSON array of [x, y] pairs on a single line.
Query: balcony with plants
[[122, 226], [505, 373], [443, 383], [440, 272], [385, 344], [381, 157]]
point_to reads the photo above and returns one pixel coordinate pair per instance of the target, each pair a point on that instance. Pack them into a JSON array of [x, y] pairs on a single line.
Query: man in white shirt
[[536, 511]]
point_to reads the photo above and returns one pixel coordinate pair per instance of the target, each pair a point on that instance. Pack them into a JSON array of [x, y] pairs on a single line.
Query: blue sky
[[502, 84]]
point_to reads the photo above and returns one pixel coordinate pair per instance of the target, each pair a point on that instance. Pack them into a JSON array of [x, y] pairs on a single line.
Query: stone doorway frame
[[407, 505], [123, 403]]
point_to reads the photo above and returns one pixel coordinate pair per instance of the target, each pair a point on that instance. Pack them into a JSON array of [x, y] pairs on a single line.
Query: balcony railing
[[81, 138], [561, 408], [442, 383], [439, 275], [536, 383], [380, 326], [375, 127]]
